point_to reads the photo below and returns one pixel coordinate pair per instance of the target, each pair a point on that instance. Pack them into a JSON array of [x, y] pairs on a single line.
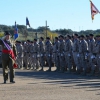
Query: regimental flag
[[94, 10], [15, 32], [27, 22]]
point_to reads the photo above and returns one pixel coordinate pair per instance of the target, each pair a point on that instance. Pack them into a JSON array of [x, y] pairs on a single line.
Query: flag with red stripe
[[94, 10]]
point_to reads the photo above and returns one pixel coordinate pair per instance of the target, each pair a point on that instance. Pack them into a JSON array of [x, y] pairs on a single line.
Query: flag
[[15, 32], [94, 10], [27, 22]]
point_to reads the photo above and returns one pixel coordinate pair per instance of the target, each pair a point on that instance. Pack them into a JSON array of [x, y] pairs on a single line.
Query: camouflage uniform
[[26, 55], [91, 51], [35, 54], [68, 54], [41, 53], [19, 59], [56, 55], [31, 60], [48, 51], [76, 54], [83, 47], [61, 55]]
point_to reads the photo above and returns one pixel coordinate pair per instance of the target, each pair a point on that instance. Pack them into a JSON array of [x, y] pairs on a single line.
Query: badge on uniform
[[78, 55]]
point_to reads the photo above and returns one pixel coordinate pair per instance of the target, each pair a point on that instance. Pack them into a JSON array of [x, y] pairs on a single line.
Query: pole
[[46, 29]]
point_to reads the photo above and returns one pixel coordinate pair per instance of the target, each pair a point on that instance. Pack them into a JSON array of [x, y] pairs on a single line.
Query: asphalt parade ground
[[36, 85]]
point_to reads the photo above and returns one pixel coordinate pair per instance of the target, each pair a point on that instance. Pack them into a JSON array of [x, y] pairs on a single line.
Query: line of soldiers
[[80, 53]]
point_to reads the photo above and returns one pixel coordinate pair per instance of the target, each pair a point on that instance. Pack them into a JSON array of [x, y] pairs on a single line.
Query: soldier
[[26, 53], [19, 59], [76, 52], [73, 62], [56, 54], [8, 57], [31, 56], [35, 53], [41, 52], [48, 51], [83, 48], [91, 46], [97, 51], [68, 52], [61, 53]]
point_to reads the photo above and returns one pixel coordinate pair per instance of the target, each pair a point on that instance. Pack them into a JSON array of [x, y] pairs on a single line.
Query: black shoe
[[12, 81]]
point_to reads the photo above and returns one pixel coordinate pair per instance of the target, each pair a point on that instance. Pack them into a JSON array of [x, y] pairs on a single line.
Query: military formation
[[78, 54]]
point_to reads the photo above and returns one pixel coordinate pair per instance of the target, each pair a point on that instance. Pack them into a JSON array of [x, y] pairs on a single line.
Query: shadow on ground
[[67, 80]]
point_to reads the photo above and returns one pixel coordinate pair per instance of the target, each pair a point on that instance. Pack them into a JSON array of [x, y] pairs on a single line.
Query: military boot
[[91, 73], [77, 72], [83, 73]]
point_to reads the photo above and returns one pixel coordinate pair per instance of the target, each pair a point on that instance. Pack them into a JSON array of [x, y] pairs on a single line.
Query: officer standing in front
[[8, 53]]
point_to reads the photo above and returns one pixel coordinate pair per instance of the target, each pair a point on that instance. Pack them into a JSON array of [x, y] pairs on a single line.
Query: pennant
[[27, 22], [15, 32], [94, 10]]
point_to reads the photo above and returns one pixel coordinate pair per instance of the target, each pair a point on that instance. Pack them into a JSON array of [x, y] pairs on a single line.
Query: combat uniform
[[68, 54], [83, 48], [26, 55], [41, 53], [48, 51], [56, 55], [90, 55], [76, 54], [35, 55], [61, 55], [19, 59]]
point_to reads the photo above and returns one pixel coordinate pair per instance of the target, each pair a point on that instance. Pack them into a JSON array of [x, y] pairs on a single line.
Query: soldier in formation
[[78, 53]]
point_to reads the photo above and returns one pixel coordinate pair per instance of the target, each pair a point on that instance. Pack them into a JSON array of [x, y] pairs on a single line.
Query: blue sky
[[60, 14]]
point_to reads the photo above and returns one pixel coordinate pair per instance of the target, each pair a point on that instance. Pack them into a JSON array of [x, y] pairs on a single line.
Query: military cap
[[82, 36], [87, 35], [48, 38], [7, 33], [42, 38], [35, 39], [91, 35], [76, 34], [28, 40], [61, 36], [69, 36]]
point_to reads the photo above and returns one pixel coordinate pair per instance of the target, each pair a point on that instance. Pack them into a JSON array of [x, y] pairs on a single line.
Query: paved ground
[[32, 85]]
